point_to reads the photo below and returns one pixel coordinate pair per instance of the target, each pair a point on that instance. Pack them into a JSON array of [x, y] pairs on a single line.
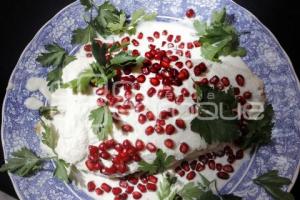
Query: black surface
[[20, 20]]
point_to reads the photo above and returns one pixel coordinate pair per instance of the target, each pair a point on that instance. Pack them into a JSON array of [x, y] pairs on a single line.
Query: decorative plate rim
[[18, 192]]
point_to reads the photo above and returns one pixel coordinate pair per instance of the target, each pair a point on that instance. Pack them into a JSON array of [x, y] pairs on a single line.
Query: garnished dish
[[146, 107]]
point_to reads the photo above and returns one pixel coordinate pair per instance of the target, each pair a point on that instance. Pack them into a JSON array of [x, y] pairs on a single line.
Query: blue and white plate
[[265, 57]]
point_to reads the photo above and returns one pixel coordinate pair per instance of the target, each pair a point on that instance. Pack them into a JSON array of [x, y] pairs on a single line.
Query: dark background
[[20, 20]]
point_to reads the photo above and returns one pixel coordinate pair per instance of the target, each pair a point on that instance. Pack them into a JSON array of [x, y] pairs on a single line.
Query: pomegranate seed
[[181, 173], [136, 195], [142, 118], [161, 94], [170, 129], [93, 149], [204, 81], [154, 81], [151, 187], [91, 186], [123, 184], [129, 189], [151, 91], [141, 78], [193, 164], [150, 39], [174, 58], [98, 191], [170, 38], [190, 45], [188, 54], [139, 145], [133, 180], [105, 187], [185, 166], [184, 148], [239, 154], [190, 13], [179, 65], [152, 179], [156, 34], [142, 187], [127, 128], [135, 42], [139, 107], [110, 143], [177, 38], [161, 122], [159, 129], [185, 92], [240, 80], [228, 168], [149, 55], [140, 35], [136, 158], [179, 99], [231, 159], [200, 167], [139, 97], [191, 175], [135, 53], [223, 175], [122, 196], [119, 147], [101, 102], [241, 100], [212, 164], [149, 130], [181, 46], [214, 80], [151, 147], [247, 95], [225, 81], [100, 91], [189, 64], [169, 143], [150, 116], [219, 166], [197, 70], [105, 155], [88, 47], [163, 43], [165, 32], [183, 74], [197, 43], [116, 191]]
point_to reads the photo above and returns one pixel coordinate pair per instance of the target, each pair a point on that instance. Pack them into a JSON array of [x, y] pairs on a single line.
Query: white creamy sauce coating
[[73, 123]]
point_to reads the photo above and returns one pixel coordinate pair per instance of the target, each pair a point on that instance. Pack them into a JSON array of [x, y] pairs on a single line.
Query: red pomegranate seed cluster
[[188, 169], [130, 185], [125, 153]]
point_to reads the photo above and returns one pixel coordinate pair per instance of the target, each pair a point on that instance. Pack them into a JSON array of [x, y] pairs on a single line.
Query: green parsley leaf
[[217, 129], [101, 122], [160, 164], [87, 3], [273, 184], [219, 38], [99, 52], [259, 131], [58, 58], [48, 111], [83, 35], [49, 136], [82, 84], [138, 16], [166, 190], [61, 170], [123, 59], [75, 175], [190, 191], [23, 163]]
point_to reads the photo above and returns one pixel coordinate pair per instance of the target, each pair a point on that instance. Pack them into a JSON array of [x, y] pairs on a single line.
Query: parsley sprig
[[102, 71], [219, 38], [58, 58], [108, 21], [160, 164], [220, 129], [101, 122], [216, 129], [273, 184], [48, 111]]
